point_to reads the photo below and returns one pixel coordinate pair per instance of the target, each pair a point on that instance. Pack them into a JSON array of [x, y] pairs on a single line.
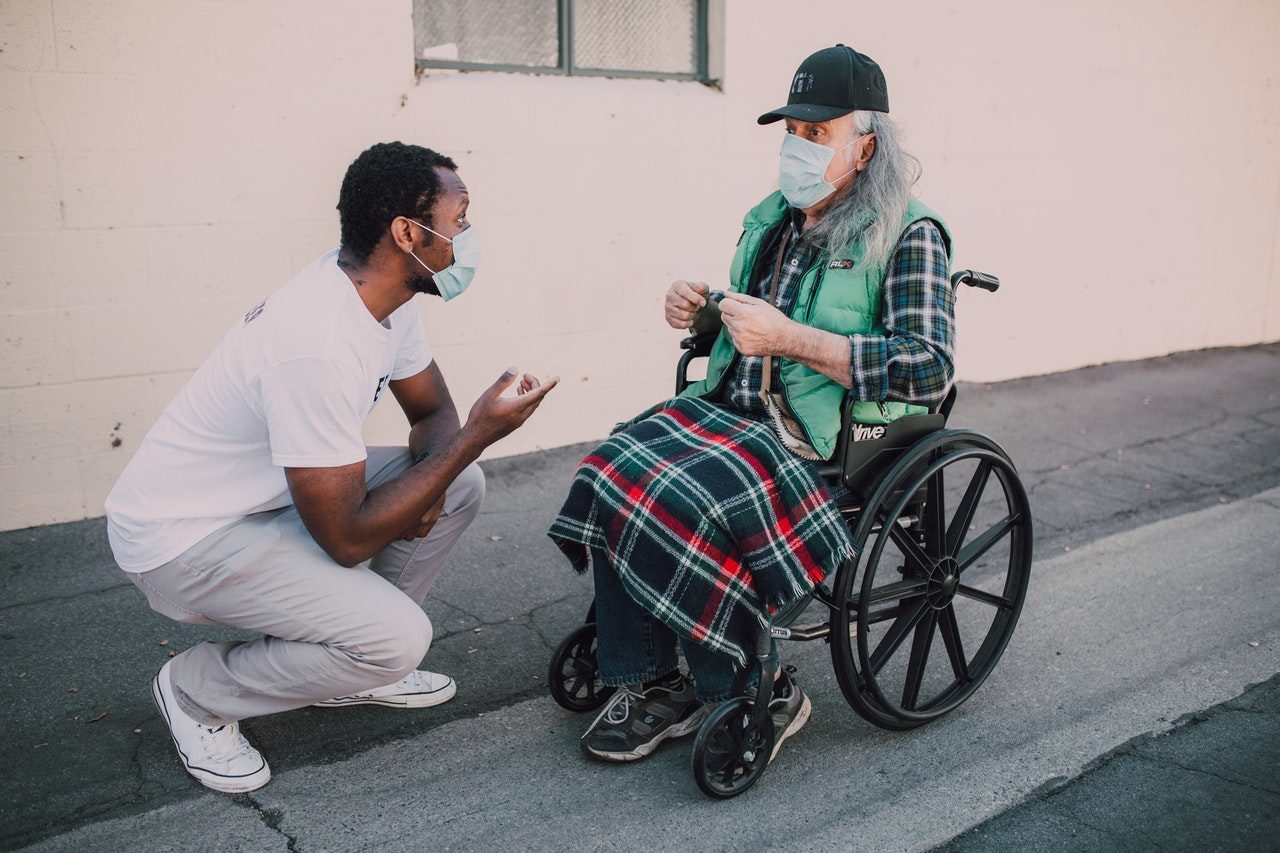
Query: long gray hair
[[875, 204]]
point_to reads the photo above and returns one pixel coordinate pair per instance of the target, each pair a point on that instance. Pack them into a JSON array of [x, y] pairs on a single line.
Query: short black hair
[[387, 180]]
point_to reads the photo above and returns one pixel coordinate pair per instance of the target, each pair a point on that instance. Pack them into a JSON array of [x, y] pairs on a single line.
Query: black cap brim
[[804, 112]]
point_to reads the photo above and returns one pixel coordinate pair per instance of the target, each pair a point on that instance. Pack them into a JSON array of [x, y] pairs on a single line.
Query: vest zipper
[[807, 312], [817, 286]]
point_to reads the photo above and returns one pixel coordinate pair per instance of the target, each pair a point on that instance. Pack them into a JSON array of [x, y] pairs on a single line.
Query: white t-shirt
[[289, 386]]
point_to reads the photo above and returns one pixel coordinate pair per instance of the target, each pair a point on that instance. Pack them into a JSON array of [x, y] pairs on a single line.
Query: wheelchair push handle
[[984, 280]]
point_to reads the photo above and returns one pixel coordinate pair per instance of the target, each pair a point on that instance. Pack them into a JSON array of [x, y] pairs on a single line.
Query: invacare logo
[[862, 432]]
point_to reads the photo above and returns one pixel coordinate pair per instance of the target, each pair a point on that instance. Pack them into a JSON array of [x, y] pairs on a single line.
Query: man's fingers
[[740, 298], [686, 292], [504, 381], [536, 394], [531, 398], [527, 383]]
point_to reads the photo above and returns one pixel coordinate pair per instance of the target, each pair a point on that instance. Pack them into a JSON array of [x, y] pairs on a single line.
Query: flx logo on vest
[[863, 432], [842, 264]]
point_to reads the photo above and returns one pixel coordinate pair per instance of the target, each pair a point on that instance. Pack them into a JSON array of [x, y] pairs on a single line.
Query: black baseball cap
[[833, 82]]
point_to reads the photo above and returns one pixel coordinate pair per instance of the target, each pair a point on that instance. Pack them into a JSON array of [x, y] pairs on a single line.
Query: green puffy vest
[[844, 301]]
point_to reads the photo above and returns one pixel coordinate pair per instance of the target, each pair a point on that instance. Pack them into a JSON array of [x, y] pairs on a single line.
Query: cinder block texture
[[164, 164]]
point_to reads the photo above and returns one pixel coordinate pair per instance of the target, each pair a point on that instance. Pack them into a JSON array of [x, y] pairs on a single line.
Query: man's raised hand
[[684, 300], [494, 416]]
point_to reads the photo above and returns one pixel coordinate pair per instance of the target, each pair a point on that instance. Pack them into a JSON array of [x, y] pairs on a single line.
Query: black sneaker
[[635, 722], [790, 708]]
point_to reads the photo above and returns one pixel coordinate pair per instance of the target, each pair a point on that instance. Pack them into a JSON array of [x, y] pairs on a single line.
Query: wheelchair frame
[[896, 490]]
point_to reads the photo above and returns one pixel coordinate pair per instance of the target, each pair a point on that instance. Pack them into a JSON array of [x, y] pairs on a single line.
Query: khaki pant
[[330, 631]]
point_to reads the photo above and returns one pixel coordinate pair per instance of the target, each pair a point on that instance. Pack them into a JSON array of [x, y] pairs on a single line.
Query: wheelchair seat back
[[867, 451]]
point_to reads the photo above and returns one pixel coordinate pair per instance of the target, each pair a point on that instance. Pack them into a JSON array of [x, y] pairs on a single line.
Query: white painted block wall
[[165, 164]]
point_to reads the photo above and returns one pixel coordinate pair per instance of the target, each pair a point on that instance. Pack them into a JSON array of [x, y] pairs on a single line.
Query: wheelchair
[[919, 574]]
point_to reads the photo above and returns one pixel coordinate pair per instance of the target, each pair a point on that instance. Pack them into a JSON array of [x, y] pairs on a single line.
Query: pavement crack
[[1107, 833], [271, 819], [1110, 451], [1169, 763]]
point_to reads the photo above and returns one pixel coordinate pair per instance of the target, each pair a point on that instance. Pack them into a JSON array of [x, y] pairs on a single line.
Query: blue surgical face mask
[[456, 277], [802, 170]]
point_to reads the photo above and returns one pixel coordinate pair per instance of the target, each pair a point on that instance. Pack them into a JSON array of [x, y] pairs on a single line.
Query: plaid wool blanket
[[707, 519]]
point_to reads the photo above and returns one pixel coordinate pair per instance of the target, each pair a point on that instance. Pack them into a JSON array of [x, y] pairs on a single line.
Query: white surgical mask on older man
[[802, 170]]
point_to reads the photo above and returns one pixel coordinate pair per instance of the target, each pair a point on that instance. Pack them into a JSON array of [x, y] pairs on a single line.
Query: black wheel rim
[[888, 664], [575, 673], [729, 754]]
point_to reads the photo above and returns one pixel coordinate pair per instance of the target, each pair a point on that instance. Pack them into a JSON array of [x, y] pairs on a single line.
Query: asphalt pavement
[[1154, 597]]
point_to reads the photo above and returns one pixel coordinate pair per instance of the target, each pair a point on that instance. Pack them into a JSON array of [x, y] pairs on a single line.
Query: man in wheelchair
[[704, 514]]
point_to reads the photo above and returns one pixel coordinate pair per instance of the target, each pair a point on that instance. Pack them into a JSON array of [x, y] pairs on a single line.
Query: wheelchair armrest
[[699, 345], [694, 346]]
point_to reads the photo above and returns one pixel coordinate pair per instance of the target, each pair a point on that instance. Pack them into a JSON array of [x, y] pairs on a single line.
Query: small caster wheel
[[729, 754], [574, 675]]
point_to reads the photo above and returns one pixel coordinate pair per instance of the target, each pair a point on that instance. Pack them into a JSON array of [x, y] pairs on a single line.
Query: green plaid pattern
[[707, 519], [913, 362]]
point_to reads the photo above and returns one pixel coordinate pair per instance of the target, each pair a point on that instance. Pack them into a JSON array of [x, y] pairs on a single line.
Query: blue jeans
[[633, 646]]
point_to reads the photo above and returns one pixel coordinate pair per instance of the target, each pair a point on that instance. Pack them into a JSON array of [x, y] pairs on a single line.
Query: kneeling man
[[253, 501]]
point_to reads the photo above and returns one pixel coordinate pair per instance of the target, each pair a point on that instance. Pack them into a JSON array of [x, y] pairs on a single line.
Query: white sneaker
[[418, 689], [217, 756]]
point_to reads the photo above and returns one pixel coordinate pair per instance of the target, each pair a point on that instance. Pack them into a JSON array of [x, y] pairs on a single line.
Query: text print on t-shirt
[[254, 312], [377, 392]]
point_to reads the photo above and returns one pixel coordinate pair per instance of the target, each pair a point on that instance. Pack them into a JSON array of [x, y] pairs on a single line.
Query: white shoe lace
[[619, 707], [224, 743]]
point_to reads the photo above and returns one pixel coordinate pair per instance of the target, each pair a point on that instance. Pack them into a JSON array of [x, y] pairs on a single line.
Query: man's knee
[[406, 636], [466, 493]]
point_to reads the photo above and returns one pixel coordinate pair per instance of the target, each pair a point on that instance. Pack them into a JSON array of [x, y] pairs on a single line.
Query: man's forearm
[[825, 352], [433, 432], [392, 508]]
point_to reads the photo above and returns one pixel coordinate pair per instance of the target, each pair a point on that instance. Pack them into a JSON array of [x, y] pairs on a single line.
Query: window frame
[[567, 68]]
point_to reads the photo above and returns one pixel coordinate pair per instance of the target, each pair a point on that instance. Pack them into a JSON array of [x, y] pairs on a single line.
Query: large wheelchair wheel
[[928, 576], [729, 753], [574, 676]]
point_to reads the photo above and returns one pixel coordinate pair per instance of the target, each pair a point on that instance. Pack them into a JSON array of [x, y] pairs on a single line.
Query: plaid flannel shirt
[[913, 362]]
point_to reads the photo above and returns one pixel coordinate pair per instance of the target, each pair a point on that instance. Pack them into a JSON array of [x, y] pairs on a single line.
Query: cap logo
[[802, 84]]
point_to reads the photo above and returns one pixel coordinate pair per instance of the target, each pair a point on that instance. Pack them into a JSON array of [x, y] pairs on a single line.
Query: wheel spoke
[[910, 548], [896, 634], [986, 541], [968, 506], [935, 516], [920, 645], [984, 597], [951, 639]]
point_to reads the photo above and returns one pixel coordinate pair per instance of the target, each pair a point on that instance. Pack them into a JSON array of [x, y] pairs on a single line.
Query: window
[[665, 39]]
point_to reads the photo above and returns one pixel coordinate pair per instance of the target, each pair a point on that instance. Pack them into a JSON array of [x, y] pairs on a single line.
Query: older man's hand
[[684, 300], [757, 328]]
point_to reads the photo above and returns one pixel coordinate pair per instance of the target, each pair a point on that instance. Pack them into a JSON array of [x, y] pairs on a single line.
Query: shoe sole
[[212, 781], [806, 709], [644, 750], [403, 700]]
